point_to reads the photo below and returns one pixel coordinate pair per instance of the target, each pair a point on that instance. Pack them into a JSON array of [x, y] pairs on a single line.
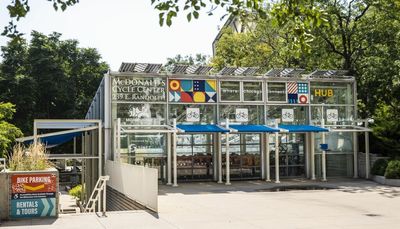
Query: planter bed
[[383, 180]]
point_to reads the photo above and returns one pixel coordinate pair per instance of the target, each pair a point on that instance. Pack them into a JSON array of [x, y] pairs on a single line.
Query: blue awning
[[197, 128], [253, 128], [55, 140], [302, 128]]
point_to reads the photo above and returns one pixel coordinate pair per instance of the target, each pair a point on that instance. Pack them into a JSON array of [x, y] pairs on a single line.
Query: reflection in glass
[[195, 156], [252, 91], [230, 90]]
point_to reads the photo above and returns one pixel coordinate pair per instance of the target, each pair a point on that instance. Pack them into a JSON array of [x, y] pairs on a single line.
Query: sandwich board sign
[[33, 195]]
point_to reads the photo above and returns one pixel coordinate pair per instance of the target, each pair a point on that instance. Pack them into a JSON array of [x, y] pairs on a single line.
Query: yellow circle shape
[[199, 97]]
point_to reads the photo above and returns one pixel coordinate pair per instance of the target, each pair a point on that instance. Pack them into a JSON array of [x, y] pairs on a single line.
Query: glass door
[[291, 155], [195, 157], [245, 156]]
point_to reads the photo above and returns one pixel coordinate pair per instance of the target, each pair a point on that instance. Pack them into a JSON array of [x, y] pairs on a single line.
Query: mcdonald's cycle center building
[[232, 125]]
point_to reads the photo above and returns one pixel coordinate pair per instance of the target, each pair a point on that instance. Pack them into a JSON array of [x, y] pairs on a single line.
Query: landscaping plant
[[76, 192], [379, 167], [393, 170], [29, 158]]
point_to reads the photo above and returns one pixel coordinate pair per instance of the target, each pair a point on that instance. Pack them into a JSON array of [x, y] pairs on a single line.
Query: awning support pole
[[312, 155], [228, 181], [169, 146], [277, 152], [219, 159], [174, 154], [262, 149], [355, 156], [323, 151], [267, 159], [118, 153], [367, 152], [99, 148], [34, 132]]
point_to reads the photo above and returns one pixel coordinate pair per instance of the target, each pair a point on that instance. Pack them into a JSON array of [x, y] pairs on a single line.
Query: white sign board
[[332, 115], [287, 115], [193, 115], [242, 115]]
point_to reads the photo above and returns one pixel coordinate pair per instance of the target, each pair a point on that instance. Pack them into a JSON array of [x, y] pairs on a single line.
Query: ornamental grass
[[29, 158]]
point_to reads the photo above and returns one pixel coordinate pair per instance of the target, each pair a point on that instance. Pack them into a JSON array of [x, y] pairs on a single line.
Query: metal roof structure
[[232, 71], [243, 71], [140, 67], [284, 72], [328, 73]]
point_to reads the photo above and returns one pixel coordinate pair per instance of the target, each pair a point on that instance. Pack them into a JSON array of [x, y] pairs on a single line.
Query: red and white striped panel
[[292, 88]]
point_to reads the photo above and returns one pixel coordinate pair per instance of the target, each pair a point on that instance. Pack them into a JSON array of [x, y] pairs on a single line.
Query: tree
[[303, 12], [8, 132], [49, 78], [198, 59], [361, 36]]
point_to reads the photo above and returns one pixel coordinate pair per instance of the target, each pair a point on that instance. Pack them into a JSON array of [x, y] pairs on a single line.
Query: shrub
[[393, 170], [379, 167], [76, 192], [29, 158]]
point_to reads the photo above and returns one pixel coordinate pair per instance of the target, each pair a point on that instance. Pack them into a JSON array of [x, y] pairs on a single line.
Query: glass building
[[281, 124]]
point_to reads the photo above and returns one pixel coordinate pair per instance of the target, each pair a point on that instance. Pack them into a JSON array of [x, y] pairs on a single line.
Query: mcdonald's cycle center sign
[[33, 195]]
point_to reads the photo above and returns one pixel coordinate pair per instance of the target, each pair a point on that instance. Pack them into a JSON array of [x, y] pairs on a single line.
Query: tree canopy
[[360, 36], [49, 78], [8, 132]]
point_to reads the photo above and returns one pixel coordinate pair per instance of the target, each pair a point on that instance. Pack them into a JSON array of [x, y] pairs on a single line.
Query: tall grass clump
[[29, 158]]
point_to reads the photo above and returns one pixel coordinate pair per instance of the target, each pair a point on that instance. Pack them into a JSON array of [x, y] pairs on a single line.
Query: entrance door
[[245, 156], [291, 155], [195, 157]]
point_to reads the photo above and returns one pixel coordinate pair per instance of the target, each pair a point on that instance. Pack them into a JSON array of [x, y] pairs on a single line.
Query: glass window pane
[[300, 114], [255, 113], [331, 93], [207, 113], [276, 92], [139, 114], [230, 91], [252, 91]]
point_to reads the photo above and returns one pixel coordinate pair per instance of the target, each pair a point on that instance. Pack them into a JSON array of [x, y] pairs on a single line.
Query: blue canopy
[[254, 128], [303, 128], [55, 140], [197, 128]]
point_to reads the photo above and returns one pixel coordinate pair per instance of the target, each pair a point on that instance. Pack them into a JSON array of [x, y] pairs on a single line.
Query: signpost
[[33, 195]]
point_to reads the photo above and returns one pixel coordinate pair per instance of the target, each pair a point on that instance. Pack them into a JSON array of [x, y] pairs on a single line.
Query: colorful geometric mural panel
[[186, 97], [186, 85], [292, 98], [211, 86], [303, 88], [174, 85], [199, 97], [192, 91], [297, 92]]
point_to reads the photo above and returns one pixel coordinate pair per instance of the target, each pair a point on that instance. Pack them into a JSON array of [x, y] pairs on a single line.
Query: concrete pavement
[[353, 204]]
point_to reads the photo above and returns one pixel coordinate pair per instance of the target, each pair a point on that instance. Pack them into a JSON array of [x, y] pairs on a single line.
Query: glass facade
[[145, 101]]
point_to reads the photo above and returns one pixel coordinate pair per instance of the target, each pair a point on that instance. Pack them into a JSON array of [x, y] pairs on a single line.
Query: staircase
[[117, 201]]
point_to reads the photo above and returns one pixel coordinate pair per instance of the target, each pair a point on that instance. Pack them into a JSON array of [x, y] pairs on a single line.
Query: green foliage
[[8, 132], [76, 192], [31, 158], [20, 8], [198, 59], [379, 167], [49, 78], [360, 36], [393, 170]]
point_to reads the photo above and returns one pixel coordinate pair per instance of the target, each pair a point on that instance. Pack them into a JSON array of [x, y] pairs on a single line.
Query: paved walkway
[[353, 204]]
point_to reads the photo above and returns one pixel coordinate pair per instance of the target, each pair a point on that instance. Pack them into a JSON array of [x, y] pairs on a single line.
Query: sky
[[121, 30]]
